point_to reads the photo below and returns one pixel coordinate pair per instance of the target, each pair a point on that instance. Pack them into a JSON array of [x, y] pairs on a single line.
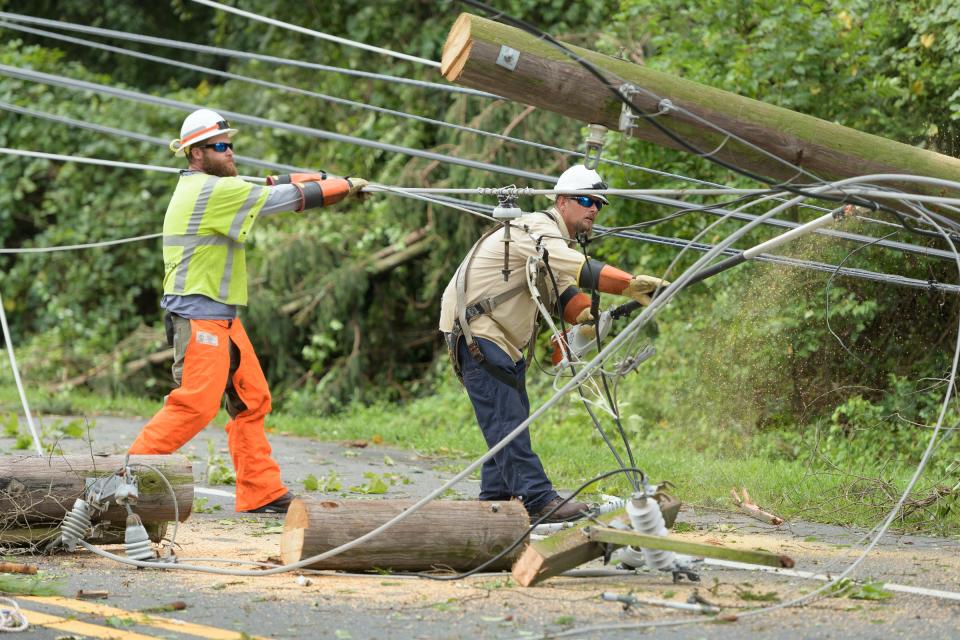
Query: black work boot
[[567, 513], [280, 505]]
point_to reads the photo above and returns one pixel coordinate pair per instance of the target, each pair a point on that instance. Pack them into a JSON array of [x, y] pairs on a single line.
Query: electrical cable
[[321, 96], [788, 224], [135, 96], [139, 97], [102, 162], [16, 378], [887, 278], [477, 208], [133, 135], [603, 232], [244, 55], [278, 86], [318, 34]]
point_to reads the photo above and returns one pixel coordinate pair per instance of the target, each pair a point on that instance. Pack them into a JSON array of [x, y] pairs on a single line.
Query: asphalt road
[[488, 606]]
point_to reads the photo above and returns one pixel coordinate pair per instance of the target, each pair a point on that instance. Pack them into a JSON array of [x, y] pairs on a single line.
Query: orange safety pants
[[218, 358]]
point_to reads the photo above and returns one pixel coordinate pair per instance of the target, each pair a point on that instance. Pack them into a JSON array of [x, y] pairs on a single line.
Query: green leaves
[[374, 484], [867, 590]]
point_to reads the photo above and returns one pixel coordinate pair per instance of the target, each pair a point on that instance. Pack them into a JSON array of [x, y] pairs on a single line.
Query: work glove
[[356, 189], [585, 319], [640, 287]]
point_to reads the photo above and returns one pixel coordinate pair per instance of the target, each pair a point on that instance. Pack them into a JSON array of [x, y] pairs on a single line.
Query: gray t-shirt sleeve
[[282, 197]]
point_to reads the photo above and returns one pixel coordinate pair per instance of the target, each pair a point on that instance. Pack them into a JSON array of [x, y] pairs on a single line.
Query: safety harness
[[466, 312]]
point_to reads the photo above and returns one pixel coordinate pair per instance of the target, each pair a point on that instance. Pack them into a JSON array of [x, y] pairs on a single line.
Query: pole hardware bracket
[[508, 57], [507, 210], [628, 118], [594, 145]]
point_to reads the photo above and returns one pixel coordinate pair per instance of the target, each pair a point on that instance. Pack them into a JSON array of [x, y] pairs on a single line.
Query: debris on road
[[748, 507], [16, 567]]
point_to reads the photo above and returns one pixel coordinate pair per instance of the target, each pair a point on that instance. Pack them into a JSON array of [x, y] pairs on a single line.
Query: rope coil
[[11, 618]]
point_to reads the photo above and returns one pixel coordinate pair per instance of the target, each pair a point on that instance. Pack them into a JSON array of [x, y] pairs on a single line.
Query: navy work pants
[[516, 470]]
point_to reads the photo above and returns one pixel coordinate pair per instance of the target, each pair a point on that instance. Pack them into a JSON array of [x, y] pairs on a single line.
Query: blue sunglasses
[[587, 202], [219, 147]]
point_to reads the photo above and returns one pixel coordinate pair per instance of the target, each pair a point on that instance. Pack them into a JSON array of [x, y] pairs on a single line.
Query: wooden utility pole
[[487, 55], [39, 490], [451, 534]]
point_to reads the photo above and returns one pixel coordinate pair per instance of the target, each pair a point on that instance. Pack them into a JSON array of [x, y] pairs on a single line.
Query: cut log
[[458, 535], [41, 490], [538, 74]]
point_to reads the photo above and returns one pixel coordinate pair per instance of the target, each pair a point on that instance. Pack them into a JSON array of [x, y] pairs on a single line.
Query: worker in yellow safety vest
[[206, 224]]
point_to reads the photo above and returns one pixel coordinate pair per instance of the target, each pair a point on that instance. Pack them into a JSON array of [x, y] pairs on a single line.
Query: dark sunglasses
[[587, 202], [219, 147]]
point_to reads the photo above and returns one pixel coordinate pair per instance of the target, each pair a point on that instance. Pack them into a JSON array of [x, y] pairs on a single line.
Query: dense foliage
[[334, 322]]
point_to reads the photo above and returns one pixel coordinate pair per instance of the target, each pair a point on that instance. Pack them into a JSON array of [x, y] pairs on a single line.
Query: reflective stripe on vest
[[205, 226]]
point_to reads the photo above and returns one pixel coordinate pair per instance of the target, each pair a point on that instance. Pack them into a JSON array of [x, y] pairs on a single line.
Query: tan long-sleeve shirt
[[510, 325]]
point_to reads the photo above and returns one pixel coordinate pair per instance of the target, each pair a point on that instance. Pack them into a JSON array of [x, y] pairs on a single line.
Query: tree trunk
[[457, 535], [546, 77], [41, 490]]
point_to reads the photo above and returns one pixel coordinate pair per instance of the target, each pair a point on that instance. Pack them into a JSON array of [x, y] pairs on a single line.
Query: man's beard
[[220, 167]]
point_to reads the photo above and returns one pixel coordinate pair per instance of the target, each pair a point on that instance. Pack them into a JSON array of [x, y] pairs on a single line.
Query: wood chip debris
[[746, 505], [17, 567]]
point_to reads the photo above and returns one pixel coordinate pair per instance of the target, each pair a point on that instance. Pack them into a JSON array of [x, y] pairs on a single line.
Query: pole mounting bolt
[[508, 57]]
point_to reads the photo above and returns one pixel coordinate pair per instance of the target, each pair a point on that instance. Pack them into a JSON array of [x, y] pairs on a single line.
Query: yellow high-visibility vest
[[206, 223]]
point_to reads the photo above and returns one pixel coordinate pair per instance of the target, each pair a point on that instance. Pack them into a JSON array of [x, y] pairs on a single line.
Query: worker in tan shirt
[[500, 319]]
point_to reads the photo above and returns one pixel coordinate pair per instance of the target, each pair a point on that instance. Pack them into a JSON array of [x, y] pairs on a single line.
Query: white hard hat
[[198, 126], [578, 178]]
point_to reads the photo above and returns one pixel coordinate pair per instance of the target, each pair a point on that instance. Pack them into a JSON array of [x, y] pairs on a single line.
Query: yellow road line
[[167, 624], [35, 618]]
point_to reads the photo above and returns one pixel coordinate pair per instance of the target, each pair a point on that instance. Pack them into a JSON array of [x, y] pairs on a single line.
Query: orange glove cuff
[[573, 308], [613, 280]]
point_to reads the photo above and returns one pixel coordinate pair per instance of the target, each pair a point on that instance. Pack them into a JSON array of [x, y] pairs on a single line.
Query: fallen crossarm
[[666, 543]]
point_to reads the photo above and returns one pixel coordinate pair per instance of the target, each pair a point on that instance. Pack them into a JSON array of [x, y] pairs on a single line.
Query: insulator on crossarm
[[76, 525], [136, 542], [645, 517]]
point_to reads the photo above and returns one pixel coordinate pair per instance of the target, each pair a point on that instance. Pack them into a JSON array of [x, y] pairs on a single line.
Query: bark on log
[[547, 78], [41, 490], [459, 535]]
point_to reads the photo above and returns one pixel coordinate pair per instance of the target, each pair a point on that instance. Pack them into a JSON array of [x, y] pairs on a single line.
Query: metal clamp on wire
[[511, 190], [594, 145], [628, 118], [506, 210]]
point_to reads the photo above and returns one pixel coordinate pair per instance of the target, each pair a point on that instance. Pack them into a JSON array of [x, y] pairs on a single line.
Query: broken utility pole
[[487, 55], [36, 492]]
